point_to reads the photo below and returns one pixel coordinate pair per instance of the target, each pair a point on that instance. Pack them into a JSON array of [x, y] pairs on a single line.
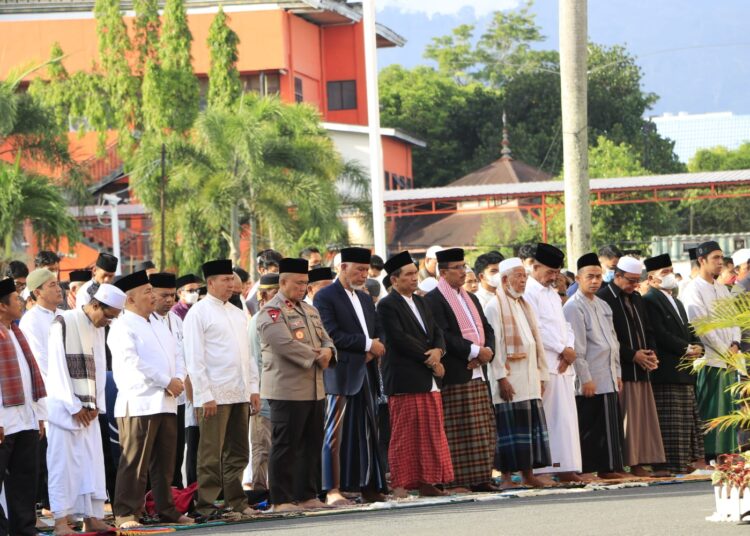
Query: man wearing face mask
[[642, 441], [673, 387], [608, 257], [188, 287], [488, 274]]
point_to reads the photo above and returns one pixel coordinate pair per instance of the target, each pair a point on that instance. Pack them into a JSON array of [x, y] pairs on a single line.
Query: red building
[[304, 50]]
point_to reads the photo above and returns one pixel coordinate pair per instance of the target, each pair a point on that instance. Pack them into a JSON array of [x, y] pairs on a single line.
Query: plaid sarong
[[418, 453], [522, 437], [10, 371], [680, 425], [470, 429]]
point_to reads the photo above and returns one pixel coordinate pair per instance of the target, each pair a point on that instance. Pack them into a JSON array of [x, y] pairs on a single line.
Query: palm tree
[[266, 163], [29, 132]]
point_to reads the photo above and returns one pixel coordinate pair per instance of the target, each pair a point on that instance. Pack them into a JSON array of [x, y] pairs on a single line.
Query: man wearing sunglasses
[[642, 443]]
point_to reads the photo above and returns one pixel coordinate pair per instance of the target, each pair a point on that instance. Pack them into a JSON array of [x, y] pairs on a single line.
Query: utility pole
[[163, 206], [377, 180], [574, 99]]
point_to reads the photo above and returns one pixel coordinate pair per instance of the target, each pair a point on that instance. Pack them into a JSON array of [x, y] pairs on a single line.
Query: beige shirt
[[289, 335]]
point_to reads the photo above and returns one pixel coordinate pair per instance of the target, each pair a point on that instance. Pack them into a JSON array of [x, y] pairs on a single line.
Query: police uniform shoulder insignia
[[274, 314]]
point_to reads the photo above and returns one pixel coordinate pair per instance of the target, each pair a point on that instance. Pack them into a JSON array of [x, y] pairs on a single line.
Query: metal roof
[[529, 189]]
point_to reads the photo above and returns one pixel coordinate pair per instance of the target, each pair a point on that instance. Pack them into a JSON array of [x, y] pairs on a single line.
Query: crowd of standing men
[[314, 388]]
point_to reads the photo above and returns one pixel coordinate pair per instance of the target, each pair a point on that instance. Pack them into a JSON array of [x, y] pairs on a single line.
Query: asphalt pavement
[[664, 510]]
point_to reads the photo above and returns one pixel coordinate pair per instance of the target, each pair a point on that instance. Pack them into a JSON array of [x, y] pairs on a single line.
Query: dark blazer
[[457, 349], [342, 324], [612, 294], [406, 342], [672, 333]]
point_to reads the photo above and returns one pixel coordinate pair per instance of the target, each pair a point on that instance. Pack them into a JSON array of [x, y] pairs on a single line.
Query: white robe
[[75, 459], [559, 398], [35, 325]]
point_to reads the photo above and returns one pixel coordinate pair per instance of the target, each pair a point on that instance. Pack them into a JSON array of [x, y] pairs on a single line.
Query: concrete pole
[[116, 235], [574, 97], [377, 180]]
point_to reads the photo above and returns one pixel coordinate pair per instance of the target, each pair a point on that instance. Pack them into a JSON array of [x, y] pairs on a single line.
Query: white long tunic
[[35, 325], [75, 460], [26, 417], [217, 353], [559, 394], [174, 324], [698, 300], [525, 375], [144, 361]]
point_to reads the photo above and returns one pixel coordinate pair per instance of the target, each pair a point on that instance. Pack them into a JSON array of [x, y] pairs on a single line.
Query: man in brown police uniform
[[295, 349]]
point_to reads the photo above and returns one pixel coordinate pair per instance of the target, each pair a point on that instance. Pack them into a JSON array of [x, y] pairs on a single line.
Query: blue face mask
[[609, 276]]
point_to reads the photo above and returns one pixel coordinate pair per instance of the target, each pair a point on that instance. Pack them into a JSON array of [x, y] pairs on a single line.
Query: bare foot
[[62, 528], [315, 504], [400, 493], [533, 482], [284, 508], [610, 476], [129, 525], [429, 490], [95, 525], [547, 480], [185, 520], [509, 484], [640, 471], [458, 489], [570, 478], [334, 498], [372, 496]]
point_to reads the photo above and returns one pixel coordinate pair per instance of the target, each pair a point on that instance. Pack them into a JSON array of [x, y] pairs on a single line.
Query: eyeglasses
[[20, 287], [632, 281], [192, 291]]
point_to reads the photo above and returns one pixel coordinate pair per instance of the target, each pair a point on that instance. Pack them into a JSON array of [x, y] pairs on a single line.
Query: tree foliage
[[224, 86]]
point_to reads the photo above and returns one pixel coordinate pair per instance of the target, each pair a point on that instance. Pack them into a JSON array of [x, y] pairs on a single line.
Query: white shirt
[[217, 353], [174, 324], [35, 325], [669, 296], [484, 295], [83, 296], [144, 361], [555, 331], [413, 306], [26, 417], [699, 300], [62, 403], [360, 316], [477, 372]]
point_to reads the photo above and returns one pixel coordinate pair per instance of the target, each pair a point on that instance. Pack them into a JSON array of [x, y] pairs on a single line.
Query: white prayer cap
[[509, 264], [110, 295], [630, 265], [741, 256], [428, 284], [432, 252]]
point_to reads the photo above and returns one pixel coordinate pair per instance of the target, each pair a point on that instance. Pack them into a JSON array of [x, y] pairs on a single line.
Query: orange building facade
[[308, 51]]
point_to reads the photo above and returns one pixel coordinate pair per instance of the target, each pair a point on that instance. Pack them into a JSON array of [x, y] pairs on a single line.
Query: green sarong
[[715, 401]]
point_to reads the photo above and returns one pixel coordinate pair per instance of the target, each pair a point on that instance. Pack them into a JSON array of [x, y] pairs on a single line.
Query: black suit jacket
[[672, 333], [406, 342], [631, 372], [342, 324], [457, 349]]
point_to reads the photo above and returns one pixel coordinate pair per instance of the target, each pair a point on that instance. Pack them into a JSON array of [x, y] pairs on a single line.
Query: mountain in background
[[695, 54]]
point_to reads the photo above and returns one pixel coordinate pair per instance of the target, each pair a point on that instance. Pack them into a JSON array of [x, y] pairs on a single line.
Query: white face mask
[[513, 293], [191, 298], [668, 282], [609, 276], [495, 280]]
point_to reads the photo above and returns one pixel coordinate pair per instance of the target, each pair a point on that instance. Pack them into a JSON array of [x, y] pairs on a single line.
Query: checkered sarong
[[680, 425], [522, 437], [418, 452], [470, 429]]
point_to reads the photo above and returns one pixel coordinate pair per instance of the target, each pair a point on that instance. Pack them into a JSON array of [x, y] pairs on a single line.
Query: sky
[[695, 54]]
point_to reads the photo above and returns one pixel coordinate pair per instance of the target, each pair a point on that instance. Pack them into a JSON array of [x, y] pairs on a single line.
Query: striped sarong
[[680, 425], [600, 426], [522, 437], [470, 429]]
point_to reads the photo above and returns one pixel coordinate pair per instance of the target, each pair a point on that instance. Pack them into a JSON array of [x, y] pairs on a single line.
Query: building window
[[262, 83], [342, 95], [298, 96]]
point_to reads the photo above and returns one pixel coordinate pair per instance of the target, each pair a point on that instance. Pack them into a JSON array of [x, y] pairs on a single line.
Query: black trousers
[[110, 467], [19, 474], [296, 446], [180, 455], [192, 437], [42, 494]]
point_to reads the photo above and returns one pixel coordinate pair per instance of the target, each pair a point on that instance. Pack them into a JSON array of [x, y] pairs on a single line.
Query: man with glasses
[[188, 289], [642, 443], [18, 271], [470, 344]]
